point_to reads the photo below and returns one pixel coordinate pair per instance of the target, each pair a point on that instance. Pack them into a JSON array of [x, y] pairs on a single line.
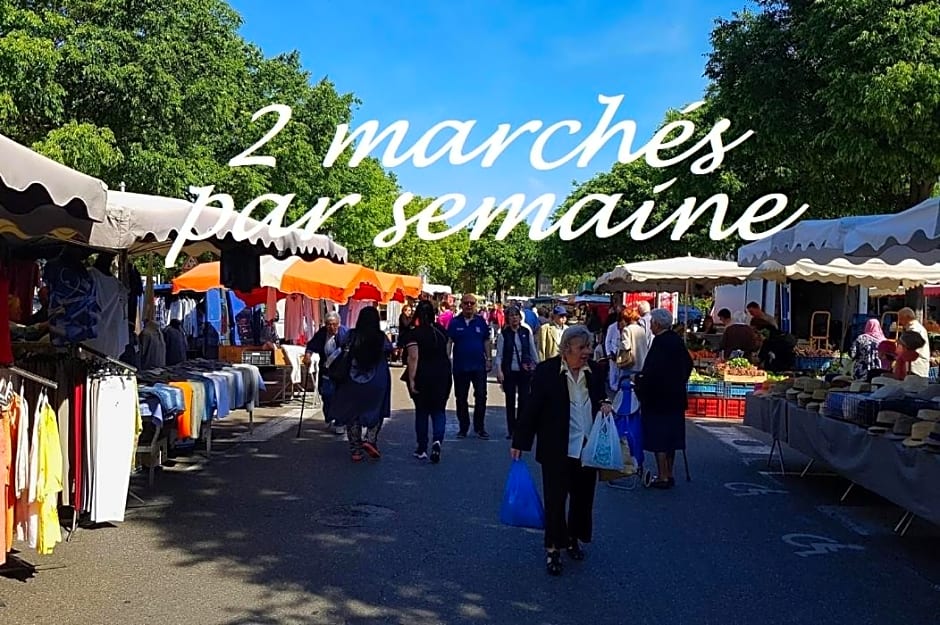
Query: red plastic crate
[[733, 408], [713, 407], [696, 406]]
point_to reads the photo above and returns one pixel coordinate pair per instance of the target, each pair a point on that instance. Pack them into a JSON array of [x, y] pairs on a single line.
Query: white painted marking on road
[[746, 489], [268, 430], [817, 545], [738, 439]]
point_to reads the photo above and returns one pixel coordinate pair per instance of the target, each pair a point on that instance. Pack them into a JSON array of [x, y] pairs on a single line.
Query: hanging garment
[[184, 420], [113, 329], [113, 419], [6, 348], [6, 463], [152, 347], [50, 481], [240, 269], [21, 478], [23, 278], [73, 302], [28, 523]]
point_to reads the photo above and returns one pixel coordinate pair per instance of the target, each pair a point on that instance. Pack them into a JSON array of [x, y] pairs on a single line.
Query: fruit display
[[739, 367], [773, 377], [701, 378], [702, 354], [809, 352]]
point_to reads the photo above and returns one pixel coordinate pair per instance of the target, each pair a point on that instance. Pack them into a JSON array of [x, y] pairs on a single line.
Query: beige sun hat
[[812, 385], [793, 394], [926, 414], [919, 433], [902, 427], [814, 406], [820, 395], [860, 387], [914, 384], [804, 398], [885, 421]]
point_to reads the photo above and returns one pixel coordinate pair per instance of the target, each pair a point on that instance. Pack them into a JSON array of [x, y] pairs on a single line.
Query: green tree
[[506, 266], [844, 97]]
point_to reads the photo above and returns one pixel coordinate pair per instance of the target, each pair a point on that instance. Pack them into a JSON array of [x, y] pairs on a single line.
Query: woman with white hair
[[661, 389], [327, 340], [566, 393]]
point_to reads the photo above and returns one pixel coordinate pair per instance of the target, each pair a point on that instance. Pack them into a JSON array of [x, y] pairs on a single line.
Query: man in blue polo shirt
[[470, 337]]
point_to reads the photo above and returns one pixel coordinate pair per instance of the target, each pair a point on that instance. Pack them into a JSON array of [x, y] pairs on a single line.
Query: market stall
[[70, 357]]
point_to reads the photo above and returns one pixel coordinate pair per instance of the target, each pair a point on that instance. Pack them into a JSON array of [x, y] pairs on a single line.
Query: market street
[[267, 534]]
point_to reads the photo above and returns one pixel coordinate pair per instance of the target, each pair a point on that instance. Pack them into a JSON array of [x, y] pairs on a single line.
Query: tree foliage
[[844, 100], [160, 96]]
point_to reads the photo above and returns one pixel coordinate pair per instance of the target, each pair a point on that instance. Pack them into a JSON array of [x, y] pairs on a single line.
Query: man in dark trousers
[[327, 340], [516, 357], [471, 351]]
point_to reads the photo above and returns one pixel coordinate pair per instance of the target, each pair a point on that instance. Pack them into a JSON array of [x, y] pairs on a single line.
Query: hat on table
[[860, 387], [932, 443], [820, 395], [902, 427], [842, 380], [793, 394], [885, 421], [915, 384], [804, 398], [884, 381], [919, 433], [928, 415], [814, 406]]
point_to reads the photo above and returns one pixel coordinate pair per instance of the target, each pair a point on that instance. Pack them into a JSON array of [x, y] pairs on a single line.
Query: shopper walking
[[549, 338], [325, 341], [566, 395], [428, 375], [516, 358], [365, 399], [472, 360], [908, 322], [661, 389]]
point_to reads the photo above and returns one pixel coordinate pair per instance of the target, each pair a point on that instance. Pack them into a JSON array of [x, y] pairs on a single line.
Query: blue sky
[[507, 61]]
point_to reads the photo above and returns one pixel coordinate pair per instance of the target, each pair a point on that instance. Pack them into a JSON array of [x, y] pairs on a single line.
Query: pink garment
[[445, 318], [873, 329]]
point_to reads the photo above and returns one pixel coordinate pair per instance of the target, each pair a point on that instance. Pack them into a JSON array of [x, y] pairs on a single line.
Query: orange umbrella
[[319, 279], [397, 287]]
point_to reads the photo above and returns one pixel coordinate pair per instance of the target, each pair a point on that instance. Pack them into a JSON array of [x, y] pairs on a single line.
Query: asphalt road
[[288, 531]]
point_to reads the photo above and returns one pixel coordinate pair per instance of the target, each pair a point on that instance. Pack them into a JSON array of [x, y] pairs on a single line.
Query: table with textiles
[[907, 477], [194, 393], [767, 414]]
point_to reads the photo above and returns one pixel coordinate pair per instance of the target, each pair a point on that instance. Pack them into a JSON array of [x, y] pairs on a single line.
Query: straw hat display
[[885, 421], [919, 433]]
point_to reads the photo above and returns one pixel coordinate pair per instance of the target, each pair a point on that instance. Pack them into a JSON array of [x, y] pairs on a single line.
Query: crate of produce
[[814, 363], [704, 406]]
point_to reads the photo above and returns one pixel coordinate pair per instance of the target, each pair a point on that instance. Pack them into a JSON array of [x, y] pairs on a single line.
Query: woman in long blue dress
[[365, 399]]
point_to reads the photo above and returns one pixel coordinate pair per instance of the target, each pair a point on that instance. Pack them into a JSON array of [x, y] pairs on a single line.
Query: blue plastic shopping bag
[[522, 505]]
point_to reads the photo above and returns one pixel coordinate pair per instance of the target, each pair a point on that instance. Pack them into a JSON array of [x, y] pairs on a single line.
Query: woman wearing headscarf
[[428, 375], [661, 389], [864, 350], [365, 399]]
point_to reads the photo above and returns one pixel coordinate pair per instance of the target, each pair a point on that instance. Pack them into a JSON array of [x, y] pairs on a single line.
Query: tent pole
[[845, 316]]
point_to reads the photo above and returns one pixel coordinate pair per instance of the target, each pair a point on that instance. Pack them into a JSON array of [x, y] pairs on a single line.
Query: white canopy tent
[[671, 274], [818, 241], [433, 289], [913, 235], [874, 273]]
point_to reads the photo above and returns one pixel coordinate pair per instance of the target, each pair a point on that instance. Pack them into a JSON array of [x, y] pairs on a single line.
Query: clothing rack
[[38, 379], [114, 361]]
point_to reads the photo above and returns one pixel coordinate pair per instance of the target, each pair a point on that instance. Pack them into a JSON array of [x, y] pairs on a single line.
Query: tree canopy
[[844, 100], [160, 96]]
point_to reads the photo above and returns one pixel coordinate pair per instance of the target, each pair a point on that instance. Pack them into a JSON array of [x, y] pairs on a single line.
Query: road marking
[[738, 439], [746, 489], [817, 545]]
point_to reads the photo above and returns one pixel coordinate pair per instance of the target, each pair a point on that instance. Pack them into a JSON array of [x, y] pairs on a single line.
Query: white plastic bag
[[603, 446]]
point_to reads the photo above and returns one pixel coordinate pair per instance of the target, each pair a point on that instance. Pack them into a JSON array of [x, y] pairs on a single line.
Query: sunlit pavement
[[283, 530]]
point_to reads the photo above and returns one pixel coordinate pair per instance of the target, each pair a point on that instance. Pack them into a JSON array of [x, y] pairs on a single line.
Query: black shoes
[[553, 563], [436, 452], [484, 435]]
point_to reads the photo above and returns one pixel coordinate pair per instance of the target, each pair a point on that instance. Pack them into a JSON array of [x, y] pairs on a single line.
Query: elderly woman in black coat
[[661, 389], [567, 392]]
